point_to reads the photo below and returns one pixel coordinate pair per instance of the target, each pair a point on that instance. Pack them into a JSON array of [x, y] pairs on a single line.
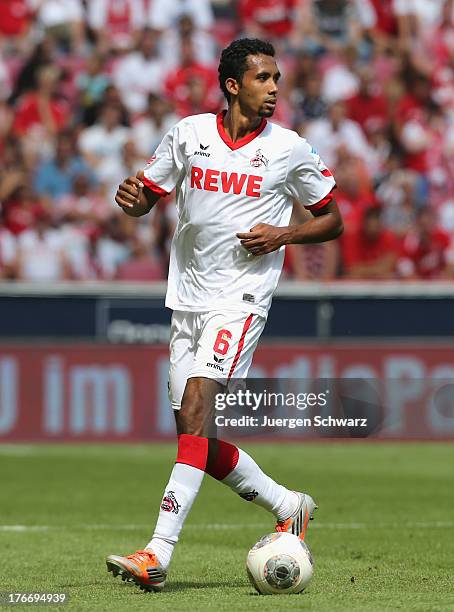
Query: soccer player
[[236, 176]]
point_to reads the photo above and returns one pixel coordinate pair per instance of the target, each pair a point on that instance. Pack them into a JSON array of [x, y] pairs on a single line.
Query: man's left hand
[[262, 239]]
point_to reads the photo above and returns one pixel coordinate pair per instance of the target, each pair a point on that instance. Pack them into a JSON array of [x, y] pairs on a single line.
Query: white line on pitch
[[228, 526]]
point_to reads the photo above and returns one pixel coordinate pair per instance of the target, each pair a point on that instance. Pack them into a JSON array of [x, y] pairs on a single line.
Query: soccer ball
[[279, 563]]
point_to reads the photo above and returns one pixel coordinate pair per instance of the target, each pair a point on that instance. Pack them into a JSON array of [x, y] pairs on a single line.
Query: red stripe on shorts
[[246, 326]]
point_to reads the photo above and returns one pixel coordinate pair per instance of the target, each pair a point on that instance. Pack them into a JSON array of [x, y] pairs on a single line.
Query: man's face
[[257, 93]]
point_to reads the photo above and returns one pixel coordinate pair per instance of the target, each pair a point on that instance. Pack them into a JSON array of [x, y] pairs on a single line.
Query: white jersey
[[223, 188]]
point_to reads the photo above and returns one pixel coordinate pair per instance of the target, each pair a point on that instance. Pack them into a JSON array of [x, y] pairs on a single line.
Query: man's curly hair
[[233, 62]]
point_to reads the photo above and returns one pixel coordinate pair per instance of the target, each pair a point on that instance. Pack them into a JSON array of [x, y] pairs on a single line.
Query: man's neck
[[238, 125]]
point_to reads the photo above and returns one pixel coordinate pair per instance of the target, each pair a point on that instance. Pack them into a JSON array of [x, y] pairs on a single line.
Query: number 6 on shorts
[[221, 344]]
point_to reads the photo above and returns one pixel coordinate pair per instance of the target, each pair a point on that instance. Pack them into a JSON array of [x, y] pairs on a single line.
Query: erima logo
[[203, 151], [215, 366]]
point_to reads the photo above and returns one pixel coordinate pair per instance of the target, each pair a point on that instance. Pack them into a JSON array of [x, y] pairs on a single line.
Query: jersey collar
[[242, 141]]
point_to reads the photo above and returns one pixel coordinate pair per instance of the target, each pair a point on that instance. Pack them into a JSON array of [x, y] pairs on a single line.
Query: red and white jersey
[[223, 188]]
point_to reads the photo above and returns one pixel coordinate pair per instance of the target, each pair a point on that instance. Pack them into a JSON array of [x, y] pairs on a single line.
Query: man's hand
[[262, 239], [128, 192], [134, 198], [326, 224]]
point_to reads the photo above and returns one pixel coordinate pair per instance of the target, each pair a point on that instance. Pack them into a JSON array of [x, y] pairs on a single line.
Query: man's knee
[[190, 417], [196, 414]]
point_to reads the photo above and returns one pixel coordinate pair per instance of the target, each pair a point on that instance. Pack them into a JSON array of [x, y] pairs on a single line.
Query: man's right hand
[[129, 193], [135, 199]]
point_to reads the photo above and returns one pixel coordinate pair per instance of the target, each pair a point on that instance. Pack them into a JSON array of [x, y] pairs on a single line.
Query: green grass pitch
[[383, 538]]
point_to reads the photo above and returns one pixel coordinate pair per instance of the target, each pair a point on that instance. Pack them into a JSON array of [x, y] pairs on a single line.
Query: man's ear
[[232, 86]]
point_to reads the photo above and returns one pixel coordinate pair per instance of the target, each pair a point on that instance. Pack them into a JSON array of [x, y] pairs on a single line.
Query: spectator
[[397, 194], [43, 55], [312, 103], [335, 131], [305, 86], [340, 80], [112, 167], [6, 121], [330, 25], [370, 252], [105, 139], [92, 84], [414, 17], [55, 177], [112, 247], [41, 114], [438, 40], [142, 265], [21, 209], [83, 206], [193, 88], [165, 15], [116, 23], [385, 28], [41, 252], [172, 40], [5, 81], [63, 21], [314, 262], [354, 193], [424, 249], [442, 182], [368, 106], [7, 254], [449, 254], [80, 215], [79, 257], [149, 129], [15, 24], [13, 173], [269, 19], [140, 73], [111, 97]]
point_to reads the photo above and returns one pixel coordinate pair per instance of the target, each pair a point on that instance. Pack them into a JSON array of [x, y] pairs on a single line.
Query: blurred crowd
[[89, 87]]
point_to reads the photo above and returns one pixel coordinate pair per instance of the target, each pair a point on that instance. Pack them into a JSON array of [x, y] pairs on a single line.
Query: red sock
[[192, 450], [225, 461]]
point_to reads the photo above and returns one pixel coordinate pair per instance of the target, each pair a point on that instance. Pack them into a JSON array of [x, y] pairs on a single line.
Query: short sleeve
[[166, 166], [308, 179]]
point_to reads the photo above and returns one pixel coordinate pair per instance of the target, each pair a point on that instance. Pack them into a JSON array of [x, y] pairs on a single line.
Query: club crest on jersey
[[259, 159], [169, 503]]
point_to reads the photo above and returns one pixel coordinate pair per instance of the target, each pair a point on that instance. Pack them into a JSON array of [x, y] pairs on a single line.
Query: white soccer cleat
[[297, 523]]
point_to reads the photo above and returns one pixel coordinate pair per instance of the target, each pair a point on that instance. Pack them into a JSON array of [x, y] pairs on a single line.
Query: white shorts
[[218, 345]]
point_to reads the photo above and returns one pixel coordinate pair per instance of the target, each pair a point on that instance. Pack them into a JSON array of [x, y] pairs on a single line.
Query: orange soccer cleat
[[297, 523], [142, 567]]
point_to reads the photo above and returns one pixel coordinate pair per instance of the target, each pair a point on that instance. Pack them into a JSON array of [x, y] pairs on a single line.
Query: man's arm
[[134, 197], [326, 224]]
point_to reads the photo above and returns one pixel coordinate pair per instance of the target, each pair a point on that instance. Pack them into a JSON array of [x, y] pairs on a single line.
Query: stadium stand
[[88, 88]]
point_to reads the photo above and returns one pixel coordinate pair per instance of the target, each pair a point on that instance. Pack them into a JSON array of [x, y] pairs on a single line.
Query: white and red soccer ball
[[279, 563]]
